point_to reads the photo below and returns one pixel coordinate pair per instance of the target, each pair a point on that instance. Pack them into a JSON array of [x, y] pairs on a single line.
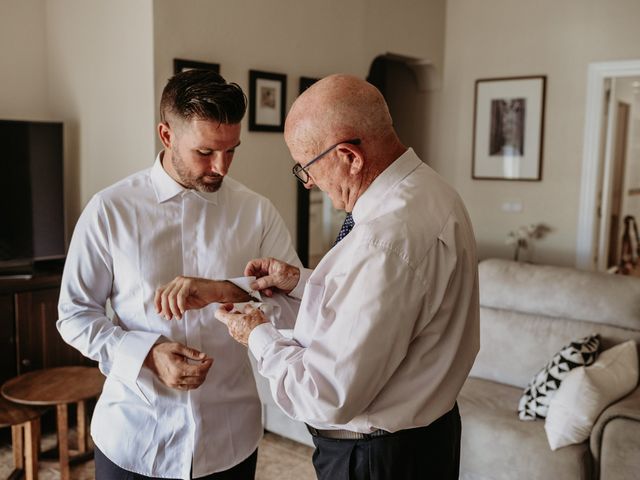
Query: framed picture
[[180, 65], [306, 82], [267, 94], [508, 128]]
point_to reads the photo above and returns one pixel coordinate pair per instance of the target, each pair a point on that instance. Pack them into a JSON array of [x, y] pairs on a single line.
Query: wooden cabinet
[[7, 338], [29, 339]]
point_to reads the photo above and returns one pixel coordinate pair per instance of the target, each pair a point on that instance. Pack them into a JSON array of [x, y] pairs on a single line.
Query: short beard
[[196, 183]]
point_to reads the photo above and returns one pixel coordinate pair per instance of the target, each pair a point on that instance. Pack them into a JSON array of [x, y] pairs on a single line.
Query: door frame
[[588, 222]]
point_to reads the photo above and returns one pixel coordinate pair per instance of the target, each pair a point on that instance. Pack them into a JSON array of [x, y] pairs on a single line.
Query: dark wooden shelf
[[36, 282], [29, 339]]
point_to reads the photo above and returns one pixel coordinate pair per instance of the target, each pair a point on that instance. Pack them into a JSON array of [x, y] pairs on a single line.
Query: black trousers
[[431, 452], [107, 470]]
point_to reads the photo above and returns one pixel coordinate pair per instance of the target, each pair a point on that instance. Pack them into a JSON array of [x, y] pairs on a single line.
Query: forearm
[[285, 310], [302, 391], [116, 350]]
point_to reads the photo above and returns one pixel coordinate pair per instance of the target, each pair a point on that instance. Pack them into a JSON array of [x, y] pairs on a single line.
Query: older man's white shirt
[[388, 325]]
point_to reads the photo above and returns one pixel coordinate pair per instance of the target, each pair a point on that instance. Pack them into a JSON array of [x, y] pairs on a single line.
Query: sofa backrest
[[528, 312]]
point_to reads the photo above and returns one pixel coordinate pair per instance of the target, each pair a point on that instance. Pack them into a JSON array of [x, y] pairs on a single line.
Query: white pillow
[[534, 402], [586, 391]]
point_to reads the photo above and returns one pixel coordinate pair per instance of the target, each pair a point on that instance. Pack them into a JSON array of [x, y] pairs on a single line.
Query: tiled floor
[[278, 458]]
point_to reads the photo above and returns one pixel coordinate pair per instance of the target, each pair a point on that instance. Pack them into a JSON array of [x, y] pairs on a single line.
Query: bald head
[[324, 118], [337, 108]]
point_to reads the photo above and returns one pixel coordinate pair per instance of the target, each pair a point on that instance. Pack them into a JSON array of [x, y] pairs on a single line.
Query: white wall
[[413, 28], [284, 36], [498, 38], [100, 72], [101, 66], [23, 84], [297, 38]]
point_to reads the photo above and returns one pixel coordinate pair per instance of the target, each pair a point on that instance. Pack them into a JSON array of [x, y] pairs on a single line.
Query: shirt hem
[[153, 474]]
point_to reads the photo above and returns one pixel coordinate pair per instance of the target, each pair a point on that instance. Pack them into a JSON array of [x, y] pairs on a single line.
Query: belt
[[345, 434]]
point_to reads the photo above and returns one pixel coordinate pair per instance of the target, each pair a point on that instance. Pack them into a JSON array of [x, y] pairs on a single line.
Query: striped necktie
[[346, 227]]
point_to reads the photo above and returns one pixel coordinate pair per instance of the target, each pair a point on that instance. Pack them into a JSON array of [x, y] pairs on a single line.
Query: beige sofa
[[528, 312]]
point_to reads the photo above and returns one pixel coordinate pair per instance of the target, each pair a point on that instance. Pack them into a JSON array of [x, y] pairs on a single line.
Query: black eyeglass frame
[[298, 169]]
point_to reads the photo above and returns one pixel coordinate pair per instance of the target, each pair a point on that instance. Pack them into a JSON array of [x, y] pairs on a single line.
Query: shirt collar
[[166, 187], [393, 174]]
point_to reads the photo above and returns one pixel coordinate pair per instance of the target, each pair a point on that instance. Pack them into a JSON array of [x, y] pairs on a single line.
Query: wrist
[[295, 279], [229, 292]]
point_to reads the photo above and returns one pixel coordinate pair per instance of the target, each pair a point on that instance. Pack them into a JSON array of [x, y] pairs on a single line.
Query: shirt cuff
[[244, 283], [261, 337], [297, 292], [130, 355]]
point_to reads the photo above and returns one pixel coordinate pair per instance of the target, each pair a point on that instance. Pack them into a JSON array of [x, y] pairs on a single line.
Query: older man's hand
[[272, 274], [240, 324]]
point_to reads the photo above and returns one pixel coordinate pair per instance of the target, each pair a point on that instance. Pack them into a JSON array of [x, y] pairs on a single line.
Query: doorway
[[405, 83], [610, 253], [611, 163]]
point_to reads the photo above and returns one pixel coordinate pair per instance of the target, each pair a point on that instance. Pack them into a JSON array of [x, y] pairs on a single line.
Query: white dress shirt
[[132, 238], [388, 325]]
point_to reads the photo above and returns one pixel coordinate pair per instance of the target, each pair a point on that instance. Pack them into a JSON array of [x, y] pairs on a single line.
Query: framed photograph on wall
[[180, 65], [508, 128], [267, 94], [306, 82]]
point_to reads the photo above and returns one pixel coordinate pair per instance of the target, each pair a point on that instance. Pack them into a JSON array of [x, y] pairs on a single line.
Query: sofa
[[527, 313]]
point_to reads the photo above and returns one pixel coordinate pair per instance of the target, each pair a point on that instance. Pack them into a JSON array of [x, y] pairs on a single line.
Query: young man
[[163, 413]]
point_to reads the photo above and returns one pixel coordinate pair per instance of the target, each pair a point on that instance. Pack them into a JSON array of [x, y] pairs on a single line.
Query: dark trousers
[[431, 452], [107, 470]]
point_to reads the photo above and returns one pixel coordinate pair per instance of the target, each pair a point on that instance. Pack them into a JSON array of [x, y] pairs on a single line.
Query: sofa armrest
[[615, 439]]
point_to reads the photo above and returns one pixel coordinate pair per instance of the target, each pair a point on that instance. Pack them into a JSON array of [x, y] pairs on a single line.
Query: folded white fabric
[[245, 284], [586, 391]]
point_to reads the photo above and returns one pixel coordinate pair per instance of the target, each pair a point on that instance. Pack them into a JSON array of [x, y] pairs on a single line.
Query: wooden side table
[[25, 436], [60, 387]]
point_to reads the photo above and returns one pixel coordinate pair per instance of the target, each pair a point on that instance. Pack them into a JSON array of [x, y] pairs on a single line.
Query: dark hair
[[205, 95]]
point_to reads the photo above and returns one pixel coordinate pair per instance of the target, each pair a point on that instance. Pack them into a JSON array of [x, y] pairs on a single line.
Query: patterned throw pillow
[[534, 403]]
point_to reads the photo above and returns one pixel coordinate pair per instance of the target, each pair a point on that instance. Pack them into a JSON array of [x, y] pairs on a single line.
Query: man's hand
[[170, 362], [272, 275], [188, 293], [240, 325]]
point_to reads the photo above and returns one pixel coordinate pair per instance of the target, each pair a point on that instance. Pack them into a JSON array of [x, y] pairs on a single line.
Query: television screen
[[31, 191]]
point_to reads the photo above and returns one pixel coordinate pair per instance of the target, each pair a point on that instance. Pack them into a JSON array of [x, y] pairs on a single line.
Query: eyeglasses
[[301, 172]]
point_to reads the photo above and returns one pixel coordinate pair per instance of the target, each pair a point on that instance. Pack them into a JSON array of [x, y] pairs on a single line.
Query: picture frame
[[508, 128], [306, 82], [181, 65], [267, 98]]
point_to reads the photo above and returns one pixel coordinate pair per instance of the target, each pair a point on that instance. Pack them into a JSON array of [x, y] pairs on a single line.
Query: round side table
[[25, 436], [60, 387]]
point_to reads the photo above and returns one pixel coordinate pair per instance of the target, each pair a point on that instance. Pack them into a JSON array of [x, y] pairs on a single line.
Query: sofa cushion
[[560, 292], [586, 391], [496, 445], [514, 345], [534, 403]]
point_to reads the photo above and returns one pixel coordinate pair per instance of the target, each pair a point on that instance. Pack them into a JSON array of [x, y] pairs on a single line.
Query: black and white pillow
[[534, 403]]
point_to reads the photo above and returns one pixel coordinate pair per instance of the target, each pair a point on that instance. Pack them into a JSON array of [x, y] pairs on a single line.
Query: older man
[[387, 330]]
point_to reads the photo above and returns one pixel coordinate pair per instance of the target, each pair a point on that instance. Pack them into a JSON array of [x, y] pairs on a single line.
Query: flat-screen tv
[[31, 193]]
